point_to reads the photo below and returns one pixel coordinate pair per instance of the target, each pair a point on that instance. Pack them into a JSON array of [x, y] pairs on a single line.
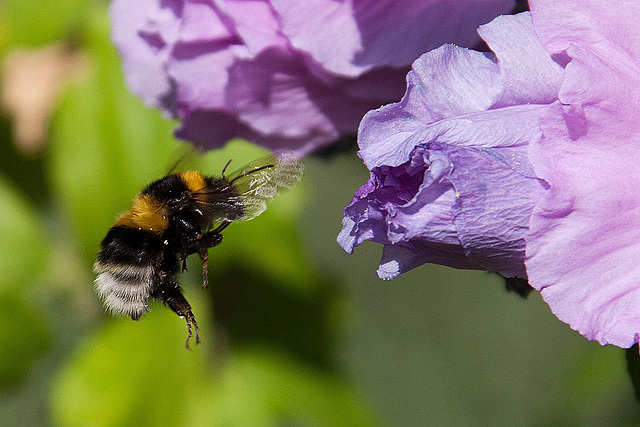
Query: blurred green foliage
[[295, 332], [45, 21], [24, 255]]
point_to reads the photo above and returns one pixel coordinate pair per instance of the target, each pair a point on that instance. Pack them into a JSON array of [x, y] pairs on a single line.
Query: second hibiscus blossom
[[294, 74]]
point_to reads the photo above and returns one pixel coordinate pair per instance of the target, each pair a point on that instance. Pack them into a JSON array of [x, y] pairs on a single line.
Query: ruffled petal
[[194, 59], [255, 22], [200, 77], [144, 36], [261, 96], [519, 86], [584, 242], [349, 38], [451, 181], [454, 80]]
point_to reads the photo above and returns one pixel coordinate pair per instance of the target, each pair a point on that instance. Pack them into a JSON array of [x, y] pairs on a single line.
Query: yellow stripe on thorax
[[193, 180], [147, 214], [196, 184]]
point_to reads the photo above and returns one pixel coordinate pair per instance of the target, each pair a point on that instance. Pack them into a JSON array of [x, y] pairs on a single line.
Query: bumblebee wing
[[260, 181], [183, 157]]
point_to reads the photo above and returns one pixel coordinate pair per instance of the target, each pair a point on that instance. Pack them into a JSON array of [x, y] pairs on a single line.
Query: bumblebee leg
[[170, 293], [204, 256], [191, 320], [183, 309], [221, 227], [195, 244], [200, 245], [208, 240]]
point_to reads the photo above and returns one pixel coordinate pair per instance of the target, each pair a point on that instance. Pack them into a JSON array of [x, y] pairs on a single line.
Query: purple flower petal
[[464, 198], [451, 181], [195, 60], [200, 77], [584, 242], [200, 24], [148, 32], [519, 85], [455, 81], [255, 22], [545, 152], [262, 97], [349, 38]]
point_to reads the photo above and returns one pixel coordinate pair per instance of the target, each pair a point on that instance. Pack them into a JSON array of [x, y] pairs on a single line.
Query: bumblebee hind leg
[[192, 326], [183, 309], [169, 293]]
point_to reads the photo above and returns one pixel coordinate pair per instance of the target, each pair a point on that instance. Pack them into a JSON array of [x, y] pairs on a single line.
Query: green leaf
[[23, 245], [134, 373], [33, 23], [4, 37], [261, 386], [23, 254], [139, 373], [24, 336]]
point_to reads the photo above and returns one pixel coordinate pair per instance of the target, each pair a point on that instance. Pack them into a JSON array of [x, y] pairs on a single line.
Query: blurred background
[[295, 331]]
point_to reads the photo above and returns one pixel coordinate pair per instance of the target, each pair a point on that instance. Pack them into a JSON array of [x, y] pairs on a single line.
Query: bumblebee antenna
[[224, 169], [175, 165]]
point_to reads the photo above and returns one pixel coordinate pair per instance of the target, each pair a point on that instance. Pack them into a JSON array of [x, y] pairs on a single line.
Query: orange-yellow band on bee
[[147, 214], [193, 180], [126, 220], [196, 184]]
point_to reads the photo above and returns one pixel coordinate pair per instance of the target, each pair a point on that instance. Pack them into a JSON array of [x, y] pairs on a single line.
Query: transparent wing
[[260, 181]]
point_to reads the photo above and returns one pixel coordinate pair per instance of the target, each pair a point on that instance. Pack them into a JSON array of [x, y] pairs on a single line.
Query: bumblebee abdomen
[[126, 246], [123, 294], [127, 266]]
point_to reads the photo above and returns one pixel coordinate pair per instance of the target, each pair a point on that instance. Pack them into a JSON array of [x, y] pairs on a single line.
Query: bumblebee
[[172, 218]]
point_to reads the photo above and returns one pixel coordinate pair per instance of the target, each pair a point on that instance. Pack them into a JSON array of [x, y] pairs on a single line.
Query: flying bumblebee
[[172, 218]]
